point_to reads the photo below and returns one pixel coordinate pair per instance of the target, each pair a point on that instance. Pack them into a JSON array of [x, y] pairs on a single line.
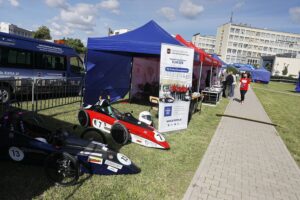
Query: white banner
[[176, 72]]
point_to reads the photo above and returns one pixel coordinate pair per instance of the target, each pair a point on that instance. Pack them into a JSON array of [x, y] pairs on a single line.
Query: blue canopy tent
[[109, 59], [297, 89], [261, 75]]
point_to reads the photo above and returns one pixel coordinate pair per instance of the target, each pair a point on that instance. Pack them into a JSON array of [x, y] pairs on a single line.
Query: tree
[[43, 33], [285, 71], [268, 67], [75, 44]]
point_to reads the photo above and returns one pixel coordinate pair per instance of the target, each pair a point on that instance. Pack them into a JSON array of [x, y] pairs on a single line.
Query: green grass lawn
[[164, 175], [283, 107]]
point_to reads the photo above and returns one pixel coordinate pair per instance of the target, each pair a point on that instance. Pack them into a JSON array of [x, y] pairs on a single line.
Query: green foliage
[[285, 71], [268, 67], [256, 66], [75, 44], [43, 33], [232, 69]]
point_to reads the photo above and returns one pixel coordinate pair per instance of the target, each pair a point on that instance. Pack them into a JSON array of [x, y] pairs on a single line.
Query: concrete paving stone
[[246, 159], [224, 196], [202, 196]]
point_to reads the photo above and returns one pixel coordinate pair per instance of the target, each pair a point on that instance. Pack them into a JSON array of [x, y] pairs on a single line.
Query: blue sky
[[92, 18]]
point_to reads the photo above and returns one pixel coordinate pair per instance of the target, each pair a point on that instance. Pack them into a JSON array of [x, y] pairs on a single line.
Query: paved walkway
[[246, 160]]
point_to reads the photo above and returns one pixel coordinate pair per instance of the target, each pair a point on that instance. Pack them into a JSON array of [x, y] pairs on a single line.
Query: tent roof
[[215, 56], [204, 57], [146, 39]]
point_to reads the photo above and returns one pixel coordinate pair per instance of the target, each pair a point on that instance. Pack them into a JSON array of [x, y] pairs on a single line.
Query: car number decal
[[159, 137], [16, 154], [123, 159]]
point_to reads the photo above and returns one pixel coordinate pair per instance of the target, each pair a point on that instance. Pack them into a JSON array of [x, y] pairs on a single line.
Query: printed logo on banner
[[168, 111]]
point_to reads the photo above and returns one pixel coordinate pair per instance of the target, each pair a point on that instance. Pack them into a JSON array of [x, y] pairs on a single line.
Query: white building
[[117, 32], [278, 63], [13, 29], [240, 43], [205, 42]]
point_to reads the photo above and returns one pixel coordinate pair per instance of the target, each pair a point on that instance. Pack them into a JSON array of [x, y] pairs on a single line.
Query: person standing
[[224, 75], [244, 85], [207, 79], [233, 85], [229, 82]]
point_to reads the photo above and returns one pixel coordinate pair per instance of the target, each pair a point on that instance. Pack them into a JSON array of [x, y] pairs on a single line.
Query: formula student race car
[[64, 156], [103, 116]]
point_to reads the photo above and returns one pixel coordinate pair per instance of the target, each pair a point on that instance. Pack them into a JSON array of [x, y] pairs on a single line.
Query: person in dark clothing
[[229, 83], [207, 80], [224, 75]]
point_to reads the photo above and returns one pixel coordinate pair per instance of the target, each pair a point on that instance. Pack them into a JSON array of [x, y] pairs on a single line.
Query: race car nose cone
[[166, 146], [130, 169]]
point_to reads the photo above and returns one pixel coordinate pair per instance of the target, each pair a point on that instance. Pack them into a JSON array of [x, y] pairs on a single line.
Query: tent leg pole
[[211, 75], [199, 82], [130, 88]]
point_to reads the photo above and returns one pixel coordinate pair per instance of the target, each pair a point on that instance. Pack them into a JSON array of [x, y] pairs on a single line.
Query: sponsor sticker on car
[[113, 164], [95, 160], [112, 169]]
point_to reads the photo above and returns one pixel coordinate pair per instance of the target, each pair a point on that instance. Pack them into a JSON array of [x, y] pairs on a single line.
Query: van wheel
[[5, 94]]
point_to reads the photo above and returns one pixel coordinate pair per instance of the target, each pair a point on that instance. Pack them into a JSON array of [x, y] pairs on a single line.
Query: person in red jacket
[[244, 85]]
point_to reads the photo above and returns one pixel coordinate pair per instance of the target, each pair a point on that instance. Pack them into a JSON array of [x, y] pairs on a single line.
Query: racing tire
[[62, 168], [5, 94], [83, 118], [93, 134], [119, 133]]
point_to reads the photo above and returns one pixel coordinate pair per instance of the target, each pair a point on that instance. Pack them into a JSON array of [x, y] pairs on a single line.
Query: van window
[[48, 61], [19, 58], [76, 65]]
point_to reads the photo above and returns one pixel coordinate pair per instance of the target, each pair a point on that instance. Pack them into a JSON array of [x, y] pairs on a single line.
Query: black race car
[[64, 156]]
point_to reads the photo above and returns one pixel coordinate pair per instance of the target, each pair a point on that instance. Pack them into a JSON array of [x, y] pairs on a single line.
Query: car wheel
[[93, 134], [83, 118], [5, 94], [119, 133], [62, 168]]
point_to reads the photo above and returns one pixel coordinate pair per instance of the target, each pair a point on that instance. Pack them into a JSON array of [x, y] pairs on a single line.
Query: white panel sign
[[176, 71]]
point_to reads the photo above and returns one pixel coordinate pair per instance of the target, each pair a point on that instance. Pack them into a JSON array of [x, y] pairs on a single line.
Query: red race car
[[102, 116]]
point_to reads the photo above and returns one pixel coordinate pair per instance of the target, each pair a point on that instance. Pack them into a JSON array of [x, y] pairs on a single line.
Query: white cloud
[[112, 5], [238, 5], [57, 3], [14, 3], [80, 14], [59, 30], [295, 14], [168, 13], [78, 17], [189, 9]]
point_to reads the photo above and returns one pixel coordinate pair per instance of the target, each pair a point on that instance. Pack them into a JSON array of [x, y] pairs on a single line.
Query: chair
[[154, 102]]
